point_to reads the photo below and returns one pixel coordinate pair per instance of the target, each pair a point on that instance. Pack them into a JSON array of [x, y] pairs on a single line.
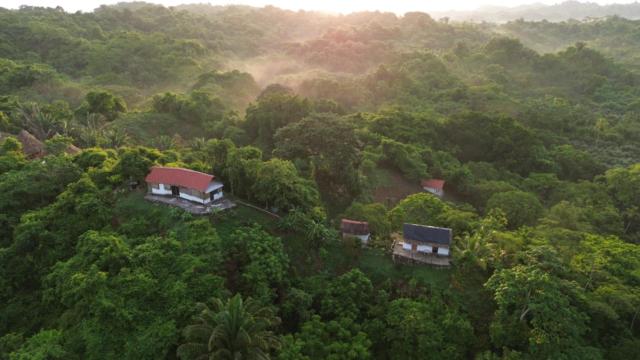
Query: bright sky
[[341, 6]]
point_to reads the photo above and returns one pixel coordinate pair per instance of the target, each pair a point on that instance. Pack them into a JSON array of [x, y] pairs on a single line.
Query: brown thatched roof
[[72, 149], [31, 146]]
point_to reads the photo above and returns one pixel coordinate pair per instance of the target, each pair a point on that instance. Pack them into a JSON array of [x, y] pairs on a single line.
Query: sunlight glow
[[332, 6]]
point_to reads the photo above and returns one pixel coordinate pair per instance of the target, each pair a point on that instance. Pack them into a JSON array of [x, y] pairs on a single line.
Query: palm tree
[[42, 125], [233, 330], [482, 248], [115, 138], [199, 144]]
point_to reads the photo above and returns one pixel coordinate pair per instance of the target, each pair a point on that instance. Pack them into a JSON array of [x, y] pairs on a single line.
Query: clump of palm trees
[[234, 329], [88, 130]]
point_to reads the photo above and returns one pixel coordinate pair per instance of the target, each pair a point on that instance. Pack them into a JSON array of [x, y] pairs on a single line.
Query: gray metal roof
[[430, 234]]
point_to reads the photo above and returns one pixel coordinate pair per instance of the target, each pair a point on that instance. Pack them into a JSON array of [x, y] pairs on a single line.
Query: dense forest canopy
[[308, 118]]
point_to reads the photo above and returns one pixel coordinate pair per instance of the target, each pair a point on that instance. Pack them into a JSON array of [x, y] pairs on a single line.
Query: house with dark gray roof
[[424, 244]]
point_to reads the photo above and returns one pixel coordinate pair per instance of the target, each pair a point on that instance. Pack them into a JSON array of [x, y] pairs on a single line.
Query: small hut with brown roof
[[355, 229], [72, 149], [32, 147]]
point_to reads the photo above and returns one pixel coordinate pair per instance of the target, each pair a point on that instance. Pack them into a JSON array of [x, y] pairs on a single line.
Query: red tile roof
[[179, 177], [354, 227], [433, 183]]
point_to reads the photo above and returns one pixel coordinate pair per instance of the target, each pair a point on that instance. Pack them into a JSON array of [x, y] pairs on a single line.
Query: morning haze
[[382, 180]]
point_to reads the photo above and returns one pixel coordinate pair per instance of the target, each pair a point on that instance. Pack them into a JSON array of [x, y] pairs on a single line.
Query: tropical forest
[[530, 129]]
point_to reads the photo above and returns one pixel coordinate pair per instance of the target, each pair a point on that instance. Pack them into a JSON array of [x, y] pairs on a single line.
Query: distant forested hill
[[616, 37], [567, 10]]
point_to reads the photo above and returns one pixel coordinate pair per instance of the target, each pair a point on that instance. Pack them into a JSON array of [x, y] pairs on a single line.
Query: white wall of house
[[166, 190], [218, 195], [434, 191], [427, 249], [194, 198], [215, 185], [162, 190], [364, 238]]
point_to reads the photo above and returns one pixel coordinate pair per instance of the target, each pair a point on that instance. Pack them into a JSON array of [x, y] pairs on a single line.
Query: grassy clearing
[[228, 221], [379, 267], [391, 187]]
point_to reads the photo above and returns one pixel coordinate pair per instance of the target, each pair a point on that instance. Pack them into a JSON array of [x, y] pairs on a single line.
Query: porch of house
[[406, 256], [189, 206]]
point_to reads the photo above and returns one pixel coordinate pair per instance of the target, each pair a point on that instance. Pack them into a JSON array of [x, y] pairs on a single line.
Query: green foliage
[[336, 339], [329, 146], [279, 185], [31, 187], [406, 158], [500, 140], [539, 132], [623, 186], [11, 157], [197, 108], [257, 262], [426, 209], [16, 76], [233, 329], [534, 315], [347, 296], [103, 103], [415, 328], [270, 114], [58, 144], [45, 345], [521, 208]]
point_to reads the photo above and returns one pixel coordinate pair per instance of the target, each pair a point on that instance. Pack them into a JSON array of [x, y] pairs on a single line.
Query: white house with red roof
[[434, 186], [186, 184]]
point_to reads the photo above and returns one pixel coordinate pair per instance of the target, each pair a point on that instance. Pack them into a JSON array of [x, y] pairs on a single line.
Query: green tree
[[241, 167], [257, 263], [104, 103], [535, 315], [415, 329], [426, 209], [328, 144], [340, 339], [45, 345], [521, 208], [272, 112], [232, 329], [624, 186], [58, 144], [279, 185], [347, 296], [11, 156]]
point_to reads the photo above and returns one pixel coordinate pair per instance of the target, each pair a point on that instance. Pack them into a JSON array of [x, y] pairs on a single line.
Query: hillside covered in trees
[[534, 126]]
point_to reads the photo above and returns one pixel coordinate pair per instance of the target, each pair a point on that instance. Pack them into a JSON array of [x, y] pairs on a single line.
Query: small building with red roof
[[185, 184], [355, 229], [434, 186]]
